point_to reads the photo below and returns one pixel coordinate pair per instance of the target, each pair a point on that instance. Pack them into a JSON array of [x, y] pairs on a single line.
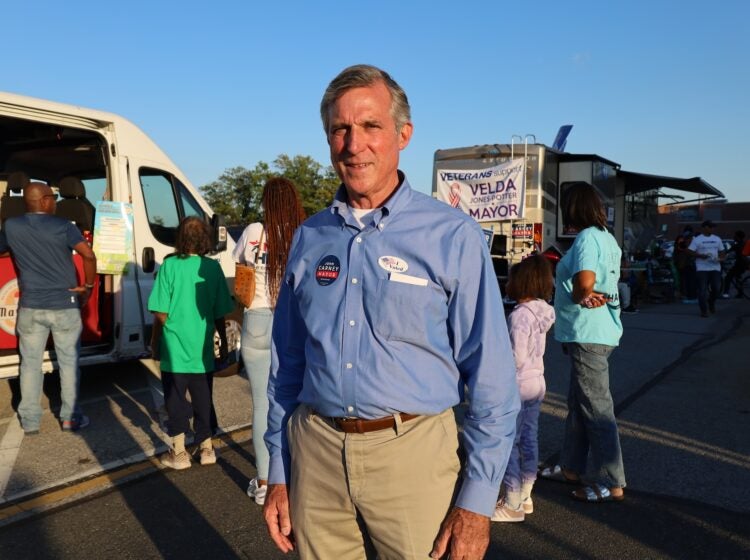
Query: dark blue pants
[[709, 288], [179, 409]]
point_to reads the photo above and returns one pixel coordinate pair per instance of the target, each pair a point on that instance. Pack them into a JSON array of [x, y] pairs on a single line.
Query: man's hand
[[83, 293], [468, 534], [276, 514]]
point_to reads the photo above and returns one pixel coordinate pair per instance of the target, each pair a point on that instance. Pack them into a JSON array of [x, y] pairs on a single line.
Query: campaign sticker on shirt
[[327, 270], [393, 264]]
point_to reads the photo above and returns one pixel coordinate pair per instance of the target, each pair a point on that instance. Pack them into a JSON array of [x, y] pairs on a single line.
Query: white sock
[[178, 443]]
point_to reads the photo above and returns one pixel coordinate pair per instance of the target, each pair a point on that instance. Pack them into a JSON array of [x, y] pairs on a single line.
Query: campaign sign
[[523, 231], [488, 195], [113, 236], [488, 233]]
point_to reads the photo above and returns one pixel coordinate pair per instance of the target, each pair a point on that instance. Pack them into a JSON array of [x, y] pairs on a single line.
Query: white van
[[99, 160]]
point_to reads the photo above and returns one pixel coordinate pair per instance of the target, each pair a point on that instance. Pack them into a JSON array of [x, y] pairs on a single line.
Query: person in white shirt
[[708, 250], [265, 246]]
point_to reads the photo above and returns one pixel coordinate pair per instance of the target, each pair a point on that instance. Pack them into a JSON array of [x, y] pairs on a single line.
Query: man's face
[[365, 145]]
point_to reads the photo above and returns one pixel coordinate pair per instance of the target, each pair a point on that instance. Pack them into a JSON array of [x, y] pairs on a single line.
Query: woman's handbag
[[244, 278]]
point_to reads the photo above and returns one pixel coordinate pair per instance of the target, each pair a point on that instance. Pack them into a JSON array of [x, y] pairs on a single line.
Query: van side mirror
[[148, 260], [219, 229]]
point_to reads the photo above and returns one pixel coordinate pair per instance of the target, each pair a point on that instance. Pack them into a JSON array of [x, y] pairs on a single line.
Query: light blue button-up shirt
[[396, 317]]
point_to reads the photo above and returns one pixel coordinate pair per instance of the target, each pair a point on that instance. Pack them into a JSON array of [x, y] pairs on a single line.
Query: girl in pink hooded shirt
[[530, 283]]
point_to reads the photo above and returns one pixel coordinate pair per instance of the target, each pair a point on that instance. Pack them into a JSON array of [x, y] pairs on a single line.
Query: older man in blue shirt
[[389, 309]]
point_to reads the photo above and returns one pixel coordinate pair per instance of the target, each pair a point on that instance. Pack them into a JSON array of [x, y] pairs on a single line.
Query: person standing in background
[[189, 300], [50, 302], [265, 246], [530, 283], [738, 267], [684, 262], [708, 251], [588, 324]]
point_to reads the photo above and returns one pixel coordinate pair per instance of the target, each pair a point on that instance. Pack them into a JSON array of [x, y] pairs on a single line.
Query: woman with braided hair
[[266, 247]]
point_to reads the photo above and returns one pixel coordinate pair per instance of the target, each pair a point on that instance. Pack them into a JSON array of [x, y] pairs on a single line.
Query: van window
[[190, 206], [161, 206], [167, 202], [95, 189]]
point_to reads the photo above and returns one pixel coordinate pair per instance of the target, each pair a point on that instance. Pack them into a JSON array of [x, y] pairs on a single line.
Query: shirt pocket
[[409, 313]]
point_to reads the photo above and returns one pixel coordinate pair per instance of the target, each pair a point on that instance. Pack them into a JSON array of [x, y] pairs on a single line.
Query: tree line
[[236, 193]]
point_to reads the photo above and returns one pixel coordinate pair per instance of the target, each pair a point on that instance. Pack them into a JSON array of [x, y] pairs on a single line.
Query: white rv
[[470, 178], [100, 162]]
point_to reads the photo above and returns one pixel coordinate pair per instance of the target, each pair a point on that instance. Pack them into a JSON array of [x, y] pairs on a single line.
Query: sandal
[[557, 474], [596, 494]]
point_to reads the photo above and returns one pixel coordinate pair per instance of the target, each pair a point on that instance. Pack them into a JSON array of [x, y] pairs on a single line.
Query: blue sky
[[658, 86]]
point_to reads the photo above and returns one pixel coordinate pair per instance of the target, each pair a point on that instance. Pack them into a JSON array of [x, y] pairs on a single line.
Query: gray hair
[[364, 75]]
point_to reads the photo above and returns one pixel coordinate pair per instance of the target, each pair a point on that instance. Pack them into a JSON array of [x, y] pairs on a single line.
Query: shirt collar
[[395, 203]]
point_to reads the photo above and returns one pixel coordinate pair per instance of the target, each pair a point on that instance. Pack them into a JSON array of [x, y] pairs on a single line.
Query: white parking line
[[9, 448]]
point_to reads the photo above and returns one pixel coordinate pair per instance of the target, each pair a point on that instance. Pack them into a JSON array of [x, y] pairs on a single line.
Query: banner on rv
[[490, 194]]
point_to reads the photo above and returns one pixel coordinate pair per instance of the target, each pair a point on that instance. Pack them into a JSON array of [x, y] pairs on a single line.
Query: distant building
[[728, 217]]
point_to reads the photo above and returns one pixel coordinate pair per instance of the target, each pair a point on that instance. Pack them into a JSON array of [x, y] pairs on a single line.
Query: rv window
[[161, 206]]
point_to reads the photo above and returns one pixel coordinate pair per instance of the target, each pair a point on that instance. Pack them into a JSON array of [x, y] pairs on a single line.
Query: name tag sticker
[[406, 279], [393, 264]]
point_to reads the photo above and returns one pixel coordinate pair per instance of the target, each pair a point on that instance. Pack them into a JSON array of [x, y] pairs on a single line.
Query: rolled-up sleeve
[[484, 357]]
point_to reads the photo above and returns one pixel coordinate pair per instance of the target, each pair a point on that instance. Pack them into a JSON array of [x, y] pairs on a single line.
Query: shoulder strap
[[260, 245]]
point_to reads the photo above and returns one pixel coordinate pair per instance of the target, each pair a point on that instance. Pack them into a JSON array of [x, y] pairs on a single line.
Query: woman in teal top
[[588, 324]]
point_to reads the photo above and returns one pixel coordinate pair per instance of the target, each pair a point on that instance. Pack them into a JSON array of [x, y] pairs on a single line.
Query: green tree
[[316, 184], [236, 193]]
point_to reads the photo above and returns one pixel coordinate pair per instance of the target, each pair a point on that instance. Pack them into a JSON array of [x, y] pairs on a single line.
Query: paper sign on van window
[[113, 237]]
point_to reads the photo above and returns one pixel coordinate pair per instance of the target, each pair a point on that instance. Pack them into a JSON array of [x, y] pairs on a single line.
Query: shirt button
[[350, 409], [359, 240], [354, 280], [352, 323], [349, 365], [381, 226]]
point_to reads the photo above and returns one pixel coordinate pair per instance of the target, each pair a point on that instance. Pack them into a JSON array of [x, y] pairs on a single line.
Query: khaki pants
[[401, 482]]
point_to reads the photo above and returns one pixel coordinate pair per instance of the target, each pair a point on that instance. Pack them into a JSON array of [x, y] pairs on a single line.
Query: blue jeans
[[709, 288], [34, 327], [524, 455], [590, 427], [256, 354]]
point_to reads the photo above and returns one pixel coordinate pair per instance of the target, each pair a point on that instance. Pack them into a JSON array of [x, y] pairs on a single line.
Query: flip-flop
[[595, 494], [556, 473]]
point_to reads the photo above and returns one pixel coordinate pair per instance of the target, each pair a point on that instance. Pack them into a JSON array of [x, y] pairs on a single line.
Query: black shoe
[[629, 309]]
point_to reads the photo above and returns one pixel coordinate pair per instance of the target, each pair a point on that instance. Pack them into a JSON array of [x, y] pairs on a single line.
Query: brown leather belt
[[360, 426]]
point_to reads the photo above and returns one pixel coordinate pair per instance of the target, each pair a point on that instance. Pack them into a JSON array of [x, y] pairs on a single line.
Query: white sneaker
[[256, 491], [177, 461], [504, 514], [207, 456], [528, 506]]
